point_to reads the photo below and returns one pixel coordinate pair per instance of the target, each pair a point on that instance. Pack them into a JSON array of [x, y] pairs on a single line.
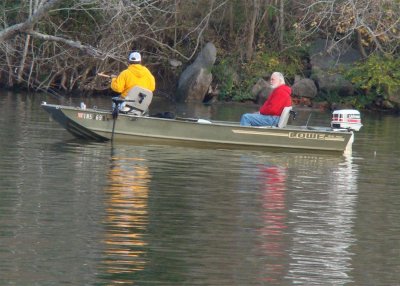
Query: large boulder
[[261, 90], [195, 80], [304, 88], [394, 95], [326, 62]]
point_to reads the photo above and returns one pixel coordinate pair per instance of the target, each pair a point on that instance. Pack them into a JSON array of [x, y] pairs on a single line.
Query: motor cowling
[[346, 119]]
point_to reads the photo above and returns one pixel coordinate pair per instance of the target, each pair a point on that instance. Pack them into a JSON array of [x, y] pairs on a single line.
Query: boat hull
[[99, 125]]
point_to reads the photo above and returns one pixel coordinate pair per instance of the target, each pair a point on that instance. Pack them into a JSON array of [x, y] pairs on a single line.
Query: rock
[[387, 104], [197, 85], [261, 90], [263, 95], [175, 63], [259, 86], [304, 88], [212, 95], [394, 95], [325, 64], [195, 79]]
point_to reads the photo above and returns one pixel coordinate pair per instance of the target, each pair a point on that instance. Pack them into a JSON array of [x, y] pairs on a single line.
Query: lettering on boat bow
[[295, 135], [90, 116], [315, 136]]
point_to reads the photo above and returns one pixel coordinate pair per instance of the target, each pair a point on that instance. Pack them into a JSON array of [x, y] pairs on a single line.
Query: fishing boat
[[135, 124]]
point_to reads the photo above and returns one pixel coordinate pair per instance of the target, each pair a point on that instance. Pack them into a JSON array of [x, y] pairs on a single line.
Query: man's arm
[[118, 83]]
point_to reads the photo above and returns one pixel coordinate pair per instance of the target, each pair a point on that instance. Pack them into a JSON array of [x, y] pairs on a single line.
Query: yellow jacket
[[135, 74]]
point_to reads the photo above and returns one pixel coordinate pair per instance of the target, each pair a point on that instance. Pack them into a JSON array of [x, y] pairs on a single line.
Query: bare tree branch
[[30, 22], [75, 44]]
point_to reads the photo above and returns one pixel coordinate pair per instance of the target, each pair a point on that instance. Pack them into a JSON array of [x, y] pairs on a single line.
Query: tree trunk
[[177, 10], [9, 56], [281, 23], [360, 46], [251, 30], [23, 59], [230, 19]]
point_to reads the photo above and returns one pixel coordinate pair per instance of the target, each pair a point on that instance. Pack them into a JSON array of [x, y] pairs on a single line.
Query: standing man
[[271, 110]]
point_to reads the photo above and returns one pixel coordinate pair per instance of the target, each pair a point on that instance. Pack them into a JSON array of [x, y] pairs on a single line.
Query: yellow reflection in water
[[126, 218]]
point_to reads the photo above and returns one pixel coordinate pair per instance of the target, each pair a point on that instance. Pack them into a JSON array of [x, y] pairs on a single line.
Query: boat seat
[[284, 118], [138, 100]]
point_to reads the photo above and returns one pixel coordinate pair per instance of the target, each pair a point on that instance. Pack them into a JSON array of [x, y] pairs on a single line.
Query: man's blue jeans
[[257, 119]]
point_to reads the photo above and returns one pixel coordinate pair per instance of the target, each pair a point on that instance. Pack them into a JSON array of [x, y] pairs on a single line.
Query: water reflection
[[322, 222], [275, 221], [271, 218], [126, 218], [163, 215]]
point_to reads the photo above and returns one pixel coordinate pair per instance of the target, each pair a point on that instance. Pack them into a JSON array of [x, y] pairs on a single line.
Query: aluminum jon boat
[[103, 125]]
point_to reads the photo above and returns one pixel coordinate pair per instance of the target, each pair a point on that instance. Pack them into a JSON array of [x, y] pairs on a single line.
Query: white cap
[[135, 57]]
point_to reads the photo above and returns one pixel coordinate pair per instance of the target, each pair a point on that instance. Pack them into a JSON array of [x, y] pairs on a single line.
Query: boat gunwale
[[316, 129]]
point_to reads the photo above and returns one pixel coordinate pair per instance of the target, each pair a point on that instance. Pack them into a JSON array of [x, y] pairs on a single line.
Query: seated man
[[135, 75], [271, 110]]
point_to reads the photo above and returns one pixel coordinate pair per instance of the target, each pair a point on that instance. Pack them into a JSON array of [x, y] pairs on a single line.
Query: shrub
[[376, 76], [236, 80]]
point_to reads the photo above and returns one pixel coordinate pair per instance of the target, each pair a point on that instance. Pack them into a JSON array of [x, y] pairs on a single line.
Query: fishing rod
[[106, 75]]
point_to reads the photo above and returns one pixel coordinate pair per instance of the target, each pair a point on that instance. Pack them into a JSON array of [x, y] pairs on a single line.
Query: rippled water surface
[[82, 213]]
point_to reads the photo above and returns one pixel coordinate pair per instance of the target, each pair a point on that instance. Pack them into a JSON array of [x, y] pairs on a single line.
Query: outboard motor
[[346, 119]]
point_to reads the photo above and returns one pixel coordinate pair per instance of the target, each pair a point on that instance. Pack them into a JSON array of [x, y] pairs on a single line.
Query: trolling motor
[[117, 104]]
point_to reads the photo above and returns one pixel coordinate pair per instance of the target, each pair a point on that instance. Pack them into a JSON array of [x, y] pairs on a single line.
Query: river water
[[82, 213]]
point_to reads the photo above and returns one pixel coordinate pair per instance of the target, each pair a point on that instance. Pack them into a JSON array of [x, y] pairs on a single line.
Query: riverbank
[[317, 103]]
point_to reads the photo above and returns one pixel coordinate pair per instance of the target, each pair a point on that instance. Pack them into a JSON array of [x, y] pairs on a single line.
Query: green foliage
[[266, 62], [357, 101], [12, 12], [223, 75], [235, 81], [377, 76], [329, 96], [360, 102]]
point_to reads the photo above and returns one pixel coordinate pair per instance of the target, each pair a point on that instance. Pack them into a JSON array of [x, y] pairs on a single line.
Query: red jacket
[[277, 101]]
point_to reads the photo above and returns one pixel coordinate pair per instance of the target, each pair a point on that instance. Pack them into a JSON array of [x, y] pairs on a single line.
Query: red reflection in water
[[275, 221]]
